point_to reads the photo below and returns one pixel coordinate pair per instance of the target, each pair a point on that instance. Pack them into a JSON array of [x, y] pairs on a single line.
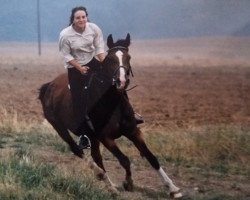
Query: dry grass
[[202, 159]]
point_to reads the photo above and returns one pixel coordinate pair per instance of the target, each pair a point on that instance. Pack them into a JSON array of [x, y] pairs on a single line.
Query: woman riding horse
[[110, 113], [79, 43]]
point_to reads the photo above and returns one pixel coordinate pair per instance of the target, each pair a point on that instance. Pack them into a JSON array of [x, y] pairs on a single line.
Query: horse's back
[[54, 88], [54, 94], [61, 80]]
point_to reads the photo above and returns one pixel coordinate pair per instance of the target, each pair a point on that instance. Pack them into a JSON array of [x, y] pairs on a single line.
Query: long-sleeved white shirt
[[81, 47]]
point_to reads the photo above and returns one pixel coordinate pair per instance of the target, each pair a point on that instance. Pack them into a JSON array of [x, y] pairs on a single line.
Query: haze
[[143, 19]]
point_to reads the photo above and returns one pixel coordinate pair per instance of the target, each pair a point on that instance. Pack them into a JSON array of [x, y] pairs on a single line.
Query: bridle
[[114, 77]]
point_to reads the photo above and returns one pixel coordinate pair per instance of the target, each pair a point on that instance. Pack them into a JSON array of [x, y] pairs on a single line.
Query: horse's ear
[[128, 40], [110, 42]]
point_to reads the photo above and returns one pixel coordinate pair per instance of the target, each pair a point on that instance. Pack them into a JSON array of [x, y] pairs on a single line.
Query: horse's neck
[[106, 65], [103, 107], [101, 90]]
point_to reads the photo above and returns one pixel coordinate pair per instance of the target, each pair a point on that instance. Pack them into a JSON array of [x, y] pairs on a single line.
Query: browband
[[117, 47]]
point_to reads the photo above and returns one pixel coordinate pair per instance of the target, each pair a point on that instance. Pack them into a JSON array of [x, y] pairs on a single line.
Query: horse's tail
[[42, 90]]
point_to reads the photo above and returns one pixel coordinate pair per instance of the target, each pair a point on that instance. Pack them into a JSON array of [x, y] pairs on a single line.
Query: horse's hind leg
[[138, 141], [123, 160], [64, 134]]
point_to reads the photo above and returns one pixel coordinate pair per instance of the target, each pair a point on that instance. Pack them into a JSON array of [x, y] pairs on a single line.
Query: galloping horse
[[110, 113]]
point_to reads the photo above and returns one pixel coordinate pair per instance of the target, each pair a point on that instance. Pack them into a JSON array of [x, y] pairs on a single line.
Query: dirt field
[[182, 83]]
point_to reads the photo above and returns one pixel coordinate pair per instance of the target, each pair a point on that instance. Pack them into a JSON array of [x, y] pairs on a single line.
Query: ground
[[182, 83]]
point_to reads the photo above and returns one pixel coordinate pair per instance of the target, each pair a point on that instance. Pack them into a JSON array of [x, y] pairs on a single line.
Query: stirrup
[[138, 118], [84, 142]]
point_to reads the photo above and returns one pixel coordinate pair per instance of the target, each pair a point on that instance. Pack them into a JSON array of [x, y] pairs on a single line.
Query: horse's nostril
[[120, 85]]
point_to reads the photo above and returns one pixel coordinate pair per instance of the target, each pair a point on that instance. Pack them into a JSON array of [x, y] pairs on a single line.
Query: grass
[[217, 196], [19, 133], [22, 177], [224, 149], [220, 149]]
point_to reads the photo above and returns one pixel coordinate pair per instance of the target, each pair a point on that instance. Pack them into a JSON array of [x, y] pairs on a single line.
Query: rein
[[131, 88]]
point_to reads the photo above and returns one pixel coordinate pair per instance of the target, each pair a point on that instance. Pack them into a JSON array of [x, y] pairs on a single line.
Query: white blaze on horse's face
[[122, 77]]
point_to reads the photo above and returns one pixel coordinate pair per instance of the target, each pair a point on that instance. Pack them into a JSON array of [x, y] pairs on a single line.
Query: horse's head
[[118, 61]]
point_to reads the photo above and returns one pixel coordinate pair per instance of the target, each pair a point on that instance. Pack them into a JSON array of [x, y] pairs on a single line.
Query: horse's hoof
[[128, 186], [79, 155], [176, 195], [77, 152], [113, 191], [100, 176]]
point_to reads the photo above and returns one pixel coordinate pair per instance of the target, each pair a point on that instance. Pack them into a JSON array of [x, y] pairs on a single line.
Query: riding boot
[[138, 118], [84, 141]]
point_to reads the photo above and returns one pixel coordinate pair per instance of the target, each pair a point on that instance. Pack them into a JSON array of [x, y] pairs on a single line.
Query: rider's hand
[[84, 69]]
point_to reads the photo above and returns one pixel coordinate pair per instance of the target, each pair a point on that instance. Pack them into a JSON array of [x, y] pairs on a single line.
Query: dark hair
[[74, 10]]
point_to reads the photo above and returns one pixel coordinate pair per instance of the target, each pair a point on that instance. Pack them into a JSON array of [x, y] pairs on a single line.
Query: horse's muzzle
[[122, 85]]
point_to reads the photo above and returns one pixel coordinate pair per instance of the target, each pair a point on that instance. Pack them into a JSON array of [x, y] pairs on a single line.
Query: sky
[[150, 19]]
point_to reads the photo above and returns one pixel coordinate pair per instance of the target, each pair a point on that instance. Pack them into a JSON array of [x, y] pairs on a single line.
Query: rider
[[82, 46]]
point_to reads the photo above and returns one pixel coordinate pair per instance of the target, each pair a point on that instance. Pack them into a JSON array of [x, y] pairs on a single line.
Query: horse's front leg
[[98, 164], [65, 135], [138, 141], [123, 160]]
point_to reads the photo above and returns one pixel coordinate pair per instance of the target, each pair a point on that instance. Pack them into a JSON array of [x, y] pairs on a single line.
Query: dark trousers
[[79, 92]]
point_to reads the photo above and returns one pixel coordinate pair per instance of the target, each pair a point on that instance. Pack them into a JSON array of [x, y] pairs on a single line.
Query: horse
[[110, 115]]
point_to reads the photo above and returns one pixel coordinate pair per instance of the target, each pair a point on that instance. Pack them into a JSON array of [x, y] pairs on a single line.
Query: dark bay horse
[[111, 115]]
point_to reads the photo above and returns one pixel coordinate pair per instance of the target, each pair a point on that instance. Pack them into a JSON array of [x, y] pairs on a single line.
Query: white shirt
[[81, 47]]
